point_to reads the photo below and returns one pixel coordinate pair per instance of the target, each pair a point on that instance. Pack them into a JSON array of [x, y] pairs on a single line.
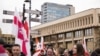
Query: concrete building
[[70, 30], [52, 11], [8, 38]]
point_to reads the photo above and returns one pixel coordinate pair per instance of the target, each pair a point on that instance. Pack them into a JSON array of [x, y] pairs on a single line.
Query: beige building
[[72, 29], [8, 38]]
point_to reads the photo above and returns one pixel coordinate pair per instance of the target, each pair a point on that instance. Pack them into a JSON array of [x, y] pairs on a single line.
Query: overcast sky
[[80, 5]]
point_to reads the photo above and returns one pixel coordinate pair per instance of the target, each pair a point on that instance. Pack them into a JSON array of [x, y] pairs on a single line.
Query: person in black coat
[[96, 52]]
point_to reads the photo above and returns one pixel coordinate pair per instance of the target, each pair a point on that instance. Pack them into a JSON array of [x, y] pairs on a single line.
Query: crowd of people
[[77, 50]]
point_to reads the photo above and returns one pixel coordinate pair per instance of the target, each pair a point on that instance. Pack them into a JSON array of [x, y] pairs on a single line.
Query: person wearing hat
[[2, 49]]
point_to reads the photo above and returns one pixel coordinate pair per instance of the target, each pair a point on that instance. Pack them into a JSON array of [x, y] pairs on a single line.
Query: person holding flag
[[21, 33], [39, 51], [80, 49], [84, 46]]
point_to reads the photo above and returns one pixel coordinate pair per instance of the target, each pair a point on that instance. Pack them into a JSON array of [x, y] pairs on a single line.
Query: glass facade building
[[52, 11]]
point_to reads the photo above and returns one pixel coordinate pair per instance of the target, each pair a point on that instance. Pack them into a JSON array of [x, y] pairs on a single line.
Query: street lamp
[[31, 41], [29, 12], [37, 13]]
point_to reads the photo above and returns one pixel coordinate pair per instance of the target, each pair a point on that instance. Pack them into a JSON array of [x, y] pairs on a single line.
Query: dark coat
[[21, 54], [96, 52]]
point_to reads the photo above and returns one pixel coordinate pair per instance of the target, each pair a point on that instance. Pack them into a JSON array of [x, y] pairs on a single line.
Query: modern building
[[70, 30], [52, 11]]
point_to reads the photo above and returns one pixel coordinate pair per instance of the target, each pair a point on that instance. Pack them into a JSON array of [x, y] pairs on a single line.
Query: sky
[[80, 5]]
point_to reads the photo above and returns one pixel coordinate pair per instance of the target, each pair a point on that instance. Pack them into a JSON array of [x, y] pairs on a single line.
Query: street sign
[[27, 11], [6, 12], [33, 20]]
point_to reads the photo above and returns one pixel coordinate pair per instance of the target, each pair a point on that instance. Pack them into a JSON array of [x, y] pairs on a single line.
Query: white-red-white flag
[[39, 46], [42, 43], [21, 33], [85, 48]]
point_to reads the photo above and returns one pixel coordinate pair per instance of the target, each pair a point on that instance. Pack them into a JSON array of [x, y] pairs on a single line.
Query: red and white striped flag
[[42, 43], [21, 33], [85, 48], [39, 47]]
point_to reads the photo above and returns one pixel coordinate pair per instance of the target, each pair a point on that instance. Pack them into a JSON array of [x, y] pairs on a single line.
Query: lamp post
[[29, 12], [37, 13], [31, 41]]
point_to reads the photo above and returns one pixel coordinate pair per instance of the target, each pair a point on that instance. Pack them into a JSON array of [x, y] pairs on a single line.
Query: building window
[[45, 21], [53, 38], [78, 33], [69, 35], [60, 36], [45, 18], [47, 38], [7, 21], [90, 40], [88, 32]]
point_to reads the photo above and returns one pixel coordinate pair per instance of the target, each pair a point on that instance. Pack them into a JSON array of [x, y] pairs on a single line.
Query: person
[[8, 51], [96, 52], [50, 52], [16, 50], [2, 49], [78, 50], [60, 51], [42, 53], [66, 52], [70, 52]]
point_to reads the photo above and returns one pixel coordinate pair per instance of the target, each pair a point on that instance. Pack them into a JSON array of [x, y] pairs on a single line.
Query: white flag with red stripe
[[39, 46], [85, 48], [42, 43], [21, 33]]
